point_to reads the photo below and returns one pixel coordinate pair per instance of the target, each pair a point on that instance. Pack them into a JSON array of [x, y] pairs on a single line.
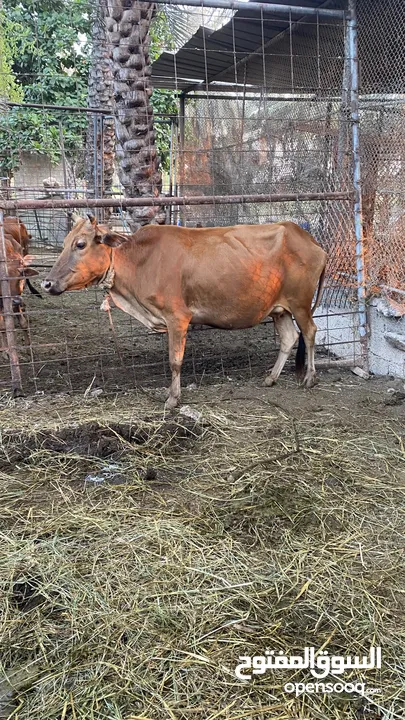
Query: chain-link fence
[[284, 146], [382, 133]]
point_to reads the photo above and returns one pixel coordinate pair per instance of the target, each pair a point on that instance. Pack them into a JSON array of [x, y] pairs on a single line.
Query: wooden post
[[8, 314]]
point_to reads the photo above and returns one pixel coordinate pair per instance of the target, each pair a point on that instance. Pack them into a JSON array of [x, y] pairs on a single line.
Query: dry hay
[[132, 598]]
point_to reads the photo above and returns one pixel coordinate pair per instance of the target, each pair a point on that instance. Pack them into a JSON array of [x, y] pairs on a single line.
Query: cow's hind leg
[[177, 332], [288, 336], [308, 329]]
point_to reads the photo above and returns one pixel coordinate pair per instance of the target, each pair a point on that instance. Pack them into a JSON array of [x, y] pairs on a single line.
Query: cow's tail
[[300, 355], [33, 289]]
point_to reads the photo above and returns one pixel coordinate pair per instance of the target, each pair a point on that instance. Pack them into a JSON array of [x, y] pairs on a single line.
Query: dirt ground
[[142, 554]]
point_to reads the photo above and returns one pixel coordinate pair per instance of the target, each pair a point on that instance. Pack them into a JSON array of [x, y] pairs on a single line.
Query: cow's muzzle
[[52, 287]]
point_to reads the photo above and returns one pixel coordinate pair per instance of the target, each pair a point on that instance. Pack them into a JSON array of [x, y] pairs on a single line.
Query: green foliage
[[22, 129], [51, 61], [163, 101], [9, 89], [25, 129], [160, 37], [47, 48], [49, 41]]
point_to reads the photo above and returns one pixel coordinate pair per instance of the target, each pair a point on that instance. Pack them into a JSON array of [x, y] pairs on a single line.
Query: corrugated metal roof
[[260, 51]]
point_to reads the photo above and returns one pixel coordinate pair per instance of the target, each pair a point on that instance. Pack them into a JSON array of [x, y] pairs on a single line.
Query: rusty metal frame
[[27, 204]]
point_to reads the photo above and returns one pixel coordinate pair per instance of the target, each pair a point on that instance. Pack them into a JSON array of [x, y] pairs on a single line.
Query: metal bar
[[8, 314], [65, 177], [342, 362], [265, 7], [358, 216], [63, 155], [269, 98], [70, 108], [182, 113], [169, 209], [75, 108], [48, 191], [152, 201], [95, 175], [101, 119]]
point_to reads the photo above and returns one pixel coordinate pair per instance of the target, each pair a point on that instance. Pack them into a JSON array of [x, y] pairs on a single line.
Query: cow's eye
[[81, 244]]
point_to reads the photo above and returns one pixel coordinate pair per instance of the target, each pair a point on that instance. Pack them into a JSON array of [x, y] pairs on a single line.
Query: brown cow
[[18, 271], [169, 277], [15, 227]]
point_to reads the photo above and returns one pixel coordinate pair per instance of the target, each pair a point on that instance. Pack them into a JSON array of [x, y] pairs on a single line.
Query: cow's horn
[[75, 217], [92, 218]]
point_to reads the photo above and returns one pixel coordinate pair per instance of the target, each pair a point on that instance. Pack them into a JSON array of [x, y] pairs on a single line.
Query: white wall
[[386, 341]]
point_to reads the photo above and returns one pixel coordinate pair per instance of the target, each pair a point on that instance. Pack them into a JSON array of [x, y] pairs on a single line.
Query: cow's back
[[229, 277]]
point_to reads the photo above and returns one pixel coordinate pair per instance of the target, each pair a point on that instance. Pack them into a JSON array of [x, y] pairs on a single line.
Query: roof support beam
[[261, 6]]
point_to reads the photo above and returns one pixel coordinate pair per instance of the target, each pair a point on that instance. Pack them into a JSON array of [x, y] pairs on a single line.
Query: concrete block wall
[[386, 343]]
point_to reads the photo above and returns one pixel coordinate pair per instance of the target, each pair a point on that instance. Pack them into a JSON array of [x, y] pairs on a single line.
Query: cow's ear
[[28, 272], [113, 239], [100, 231]]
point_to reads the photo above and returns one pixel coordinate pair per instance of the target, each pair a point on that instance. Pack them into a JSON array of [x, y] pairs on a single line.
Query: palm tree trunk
[[100, 95], [128, 25]]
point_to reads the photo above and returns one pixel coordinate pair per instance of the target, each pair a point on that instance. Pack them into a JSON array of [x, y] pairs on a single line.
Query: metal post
[[8, 314], [101, 117], [358, 219], [95, 165], [65, 176], [181, 166], [169, 208]]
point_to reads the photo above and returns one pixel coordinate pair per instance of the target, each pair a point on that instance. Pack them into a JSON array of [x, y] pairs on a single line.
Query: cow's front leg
[[177, 332]]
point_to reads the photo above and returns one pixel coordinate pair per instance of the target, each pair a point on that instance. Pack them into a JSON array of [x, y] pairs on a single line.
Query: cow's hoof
[[269, 381], [171, 403], [309, 382]]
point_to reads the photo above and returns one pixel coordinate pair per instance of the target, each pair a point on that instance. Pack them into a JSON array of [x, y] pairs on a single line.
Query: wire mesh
[[283, 128], [382, 129]]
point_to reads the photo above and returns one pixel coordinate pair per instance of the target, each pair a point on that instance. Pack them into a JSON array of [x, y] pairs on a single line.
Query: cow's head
[[85, 258]]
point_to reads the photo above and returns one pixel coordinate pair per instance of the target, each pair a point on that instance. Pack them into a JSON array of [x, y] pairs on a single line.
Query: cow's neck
[[123, 291], [108, 279]]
